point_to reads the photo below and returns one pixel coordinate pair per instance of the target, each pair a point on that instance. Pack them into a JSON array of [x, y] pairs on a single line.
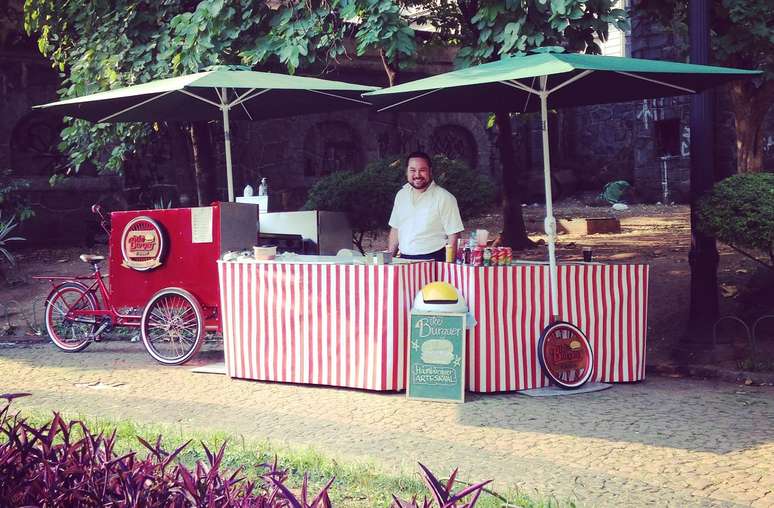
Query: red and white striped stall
[[512, 306], [348, 325], [321, 324]]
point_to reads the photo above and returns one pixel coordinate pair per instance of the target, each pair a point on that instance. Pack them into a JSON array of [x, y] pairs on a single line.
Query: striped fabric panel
[[338, 325], [512, 306]]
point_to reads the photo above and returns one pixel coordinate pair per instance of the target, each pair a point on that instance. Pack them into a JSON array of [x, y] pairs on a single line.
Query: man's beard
[[423, 184]]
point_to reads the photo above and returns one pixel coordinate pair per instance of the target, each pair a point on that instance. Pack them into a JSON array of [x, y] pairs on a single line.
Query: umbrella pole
[[227, 143], [550, 221]]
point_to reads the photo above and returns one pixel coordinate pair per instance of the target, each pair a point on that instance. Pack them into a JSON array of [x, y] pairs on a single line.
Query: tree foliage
[[367, 196], [740, 212], [742, 35], [107, 44], [497, 29]]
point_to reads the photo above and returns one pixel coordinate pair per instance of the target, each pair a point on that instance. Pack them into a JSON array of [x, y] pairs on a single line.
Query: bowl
[[265, 253]]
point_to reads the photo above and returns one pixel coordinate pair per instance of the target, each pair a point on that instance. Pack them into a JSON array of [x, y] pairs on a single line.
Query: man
[[425, 216]]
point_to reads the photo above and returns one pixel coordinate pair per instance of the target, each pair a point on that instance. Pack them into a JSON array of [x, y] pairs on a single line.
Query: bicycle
[[79, 309]]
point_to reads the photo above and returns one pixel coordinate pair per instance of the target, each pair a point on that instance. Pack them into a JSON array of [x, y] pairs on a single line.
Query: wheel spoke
[[172, 327]]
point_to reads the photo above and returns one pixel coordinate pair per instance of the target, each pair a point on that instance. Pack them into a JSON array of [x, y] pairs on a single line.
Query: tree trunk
[[204, 163], [390, 68], [750, 108], [514, 230]]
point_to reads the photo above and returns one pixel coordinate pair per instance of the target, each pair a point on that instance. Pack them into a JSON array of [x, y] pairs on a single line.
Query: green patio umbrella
[[212, 95], [551, 80]]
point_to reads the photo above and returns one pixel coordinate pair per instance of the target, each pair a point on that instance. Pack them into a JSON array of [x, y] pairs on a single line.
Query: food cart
[[163, 279]]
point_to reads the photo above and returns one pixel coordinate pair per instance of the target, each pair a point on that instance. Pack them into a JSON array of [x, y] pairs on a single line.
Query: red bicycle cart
[[163, 278]]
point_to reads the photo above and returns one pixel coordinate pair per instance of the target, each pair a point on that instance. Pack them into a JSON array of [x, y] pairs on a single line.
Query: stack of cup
[[482, 236]]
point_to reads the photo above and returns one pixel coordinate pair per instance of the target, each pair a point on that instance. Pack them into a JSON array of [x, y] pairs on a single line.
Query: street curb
[[712, 372]]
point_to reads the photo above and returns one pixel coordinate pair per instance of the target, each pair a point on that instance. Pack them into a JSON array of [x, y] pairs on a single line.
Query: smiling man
[[425, 216]]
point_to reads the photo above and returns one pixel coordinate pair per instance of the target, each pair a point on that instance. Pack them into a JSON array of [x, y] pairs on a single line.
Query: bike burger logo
[[142, 244]]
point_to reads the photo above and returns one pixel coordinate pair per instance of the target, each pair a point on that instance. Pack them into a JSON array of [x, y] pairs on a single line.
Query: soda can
[[488, 257], [508, 256], [477, 256], [500, 256]]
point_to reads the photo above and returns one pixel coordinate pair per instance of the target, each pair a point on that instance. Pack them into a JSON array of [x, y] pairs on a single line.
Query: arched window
[[455, 142], [34, 145], [331, 146]]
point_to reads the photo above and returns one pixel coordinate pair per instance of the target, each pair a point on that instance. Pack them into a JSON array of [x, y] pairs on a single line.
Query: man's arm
[[452, 238], [392, 243]]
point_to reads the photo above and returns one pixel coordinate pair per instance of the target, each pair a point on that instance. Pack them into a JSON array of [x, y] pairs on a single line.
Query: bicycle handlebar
[[104, 223]]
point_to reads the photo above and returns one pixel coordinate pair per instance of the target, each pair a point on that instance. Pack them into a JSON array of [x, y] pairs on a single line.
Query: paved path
[[664, 442]]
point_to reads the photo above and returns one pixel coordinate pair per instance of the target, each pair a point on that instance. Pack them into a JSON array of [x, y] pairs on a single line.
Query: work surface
[[663, 442]]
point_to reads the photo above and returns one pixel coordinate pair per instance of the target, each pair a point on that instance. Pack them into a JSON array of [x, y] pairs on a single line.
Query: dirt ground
[[653, 234]]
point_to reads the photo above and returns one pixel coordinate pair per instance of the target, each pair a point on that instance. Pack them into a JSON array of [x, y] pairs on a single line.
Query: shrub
[[6, 226], [367, 196], [12, 198], [740, 212]]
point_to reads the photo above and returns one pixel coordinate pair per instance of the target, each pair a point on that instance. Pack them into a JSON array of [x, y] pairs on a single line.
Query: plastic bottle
[[263, 189], [248, 192]]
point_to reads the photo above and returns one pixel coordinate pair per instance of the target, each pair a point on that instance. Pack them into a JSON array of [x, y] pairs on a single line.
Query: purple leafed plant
[[50, 466], [65, 464], [442, 494]]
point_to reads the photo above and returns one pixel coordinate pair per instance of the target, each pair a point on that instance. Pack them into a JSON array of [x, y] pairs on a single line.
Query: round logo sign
[[142, 244], [565, 355]]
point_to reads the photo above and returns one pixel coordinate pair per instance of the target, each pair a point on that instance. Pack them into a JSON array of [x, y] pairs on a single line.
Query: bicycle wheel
[[69, 331], [172, 326], [565, 355]]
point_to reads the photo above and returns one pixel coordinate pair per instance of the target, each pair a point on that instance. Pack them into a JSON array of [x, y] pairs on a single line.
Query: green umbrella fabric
[[572, 80], [251, 95], [216, 94]]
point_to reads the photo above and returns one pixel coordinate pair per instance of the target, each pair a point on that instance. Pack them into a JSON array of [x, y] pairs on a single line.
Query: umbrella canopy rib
[[407, 100], [663, 83], [248, 95], [336, 96], [134, 106], [199, 97]]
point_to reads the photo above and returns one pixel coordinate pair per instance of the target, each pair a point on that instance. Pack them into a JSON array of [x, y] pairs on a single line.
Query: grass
[[358, 483]]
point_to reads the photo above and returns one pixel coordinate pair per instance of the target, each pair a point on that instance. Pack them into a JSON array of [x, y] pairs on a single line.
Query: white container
[[482, 236], [263, 189]]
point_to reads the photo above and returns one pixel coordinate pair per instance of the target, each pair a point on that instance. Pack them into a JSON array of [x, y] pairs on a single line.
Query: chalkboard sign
[[437, 357]]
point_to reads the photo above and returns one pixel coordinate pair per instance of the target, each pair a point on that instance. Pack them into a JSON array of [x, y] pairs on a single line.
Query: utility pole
[[703, 256]]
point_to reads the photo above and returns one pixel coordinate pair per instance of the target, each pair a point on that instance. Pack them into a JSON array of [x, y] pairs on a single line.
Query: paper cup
[[482, 236]]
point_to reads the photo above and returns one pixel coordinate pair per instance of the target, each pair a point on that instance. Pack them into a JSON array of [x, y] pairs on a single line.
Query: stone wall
[[647, 142]]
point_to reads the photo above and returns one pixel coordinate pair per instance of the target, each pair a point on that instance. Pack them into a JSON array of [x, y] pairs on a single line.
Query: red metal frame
[[106, 307]]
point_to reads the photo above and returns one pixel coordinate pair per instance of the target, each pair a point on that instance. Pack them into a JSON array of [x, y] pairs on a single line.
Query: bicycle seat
[[91, 258]]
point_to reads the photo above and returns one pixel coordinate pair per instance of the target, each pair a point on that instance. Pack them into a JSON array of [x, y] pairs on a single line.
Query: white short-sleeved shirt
[[424, 219]]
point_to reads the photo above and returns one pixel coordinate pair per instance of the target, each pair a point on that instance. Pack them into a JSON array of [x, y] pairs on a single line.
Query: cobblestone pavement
[[664, 442]]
